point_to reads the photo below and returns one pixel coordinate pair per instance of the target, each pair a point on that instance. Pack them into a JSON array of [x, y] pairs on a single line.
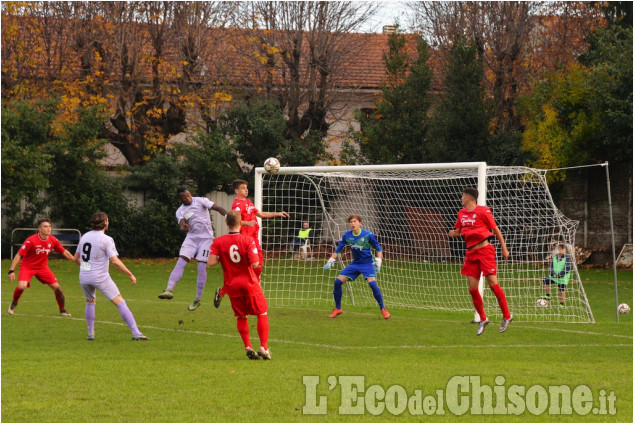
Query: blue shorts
[[353, 270]]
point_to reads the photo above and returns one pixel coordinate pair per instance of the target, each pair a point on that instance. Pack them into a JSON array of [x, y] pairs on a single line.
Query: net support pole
[[608, 190], [482, 200], [258, 199]]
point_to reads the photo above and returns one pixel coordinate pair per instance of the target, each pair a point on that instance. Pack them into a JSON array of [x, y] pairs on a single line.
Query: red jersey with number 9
[[237, 252]]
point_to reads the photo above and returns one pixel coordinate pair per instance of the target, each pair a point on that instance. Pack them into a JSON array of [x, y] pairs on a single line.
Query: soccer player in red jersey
[[238, 256], [476, 223], [34, 254], [249, 223]]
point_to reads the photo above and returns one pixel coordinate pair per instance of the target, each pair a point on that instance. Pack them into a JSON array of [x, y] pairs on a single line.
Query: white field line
[[343, 348]]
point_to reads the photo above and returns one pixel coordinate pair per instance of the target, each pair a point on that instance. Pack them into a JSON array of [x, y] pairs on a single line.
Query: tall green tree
[[256, 129], [585, 113], [460, 123], [26, 165], [396, 132], [210, 162]]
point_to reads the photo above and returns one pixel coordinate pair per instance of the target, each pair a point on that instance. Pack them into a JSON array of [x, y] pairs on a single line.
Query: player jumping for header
[[249, 224], [193, 217]]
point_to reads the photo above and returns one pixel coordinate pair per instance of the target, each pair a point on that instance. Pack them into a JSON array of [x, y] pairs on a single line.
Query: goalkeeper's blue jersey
[[360, 246]]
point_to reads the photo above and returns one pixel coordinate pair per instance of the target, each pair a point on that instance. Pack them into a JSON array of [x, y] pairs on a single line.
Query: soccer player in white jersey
[[94, 253], [193, 217]]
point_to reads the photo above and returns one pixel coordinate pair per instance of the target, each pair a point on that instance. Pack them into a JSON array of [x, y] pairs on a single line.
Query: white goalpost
[[411, 208]]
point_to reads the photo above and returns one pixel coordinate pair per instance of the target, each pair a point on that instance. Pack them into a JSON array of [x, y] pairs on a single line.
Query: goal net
[[411, 208]]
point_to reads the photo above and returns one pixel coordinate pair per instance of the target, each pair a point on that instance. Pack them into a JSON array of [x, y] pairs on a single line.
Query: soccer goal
[[411, 208]]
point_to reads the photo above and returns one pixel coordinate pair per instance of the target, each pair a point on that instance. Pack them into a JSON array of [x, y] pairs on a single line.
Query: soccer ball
[[272, 165], [623, 308], [542, 302]]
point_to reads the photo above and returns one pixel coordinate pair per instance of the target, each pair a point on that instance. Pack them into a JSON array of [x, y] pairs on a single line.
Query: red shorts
[[45, 276], [480, 260], [254, 303]]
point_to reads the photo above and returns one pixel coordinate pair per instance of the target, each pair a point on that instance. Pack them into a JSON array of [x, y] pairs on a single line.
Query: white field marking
[[516, 324], [576, 332], [522, 325], [337, 347]]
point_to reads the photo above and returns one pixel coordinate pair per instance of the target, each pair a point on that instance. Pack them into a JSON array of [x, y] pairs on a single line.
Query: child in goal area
[[361, 243], [559, 273]]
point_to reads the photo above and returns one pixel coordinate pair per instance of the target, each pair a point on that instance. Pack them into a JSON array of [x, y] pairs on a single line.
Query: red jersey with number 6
[[237, 253], [35, 251], [475, 225]]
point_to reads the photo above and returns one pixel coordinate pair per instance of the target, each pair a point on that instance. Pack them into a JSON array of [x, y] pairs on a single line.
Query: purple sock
[[127, 317], [201, 279], [89, 313], [177, 273]]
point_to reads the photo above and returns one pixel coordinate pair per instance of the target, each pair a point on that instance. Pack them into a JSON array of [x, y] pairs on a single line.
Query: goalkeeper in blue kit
[[361, 243]]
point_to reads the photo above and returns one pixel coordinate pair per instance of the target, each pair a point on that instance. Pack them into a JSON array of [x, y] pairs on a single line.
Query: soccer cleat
[[217, 298], [91, 337], [505, 324], [166, 295], [195, 304], [336, 312], [11, 309], [140, 337], [385, 313], [481, 326], [65, 313], [264, 354], [251, 354]]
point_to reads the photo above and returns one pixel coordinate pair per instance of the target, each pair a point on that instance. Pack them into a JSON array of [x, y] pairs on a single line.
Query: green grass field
[[194, 368]]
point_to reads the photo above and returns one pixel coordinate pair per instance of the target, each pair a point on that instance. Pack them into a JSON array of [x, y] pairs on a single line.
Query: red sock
[[502, 300], [17, 294], [243, 330], [59, 297], [263, 329], [477, 300]]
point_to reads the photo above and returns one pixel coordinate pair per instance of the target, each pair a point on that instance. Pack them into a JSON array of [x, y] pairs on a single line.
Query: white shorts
[[107, 287], [196, 248]]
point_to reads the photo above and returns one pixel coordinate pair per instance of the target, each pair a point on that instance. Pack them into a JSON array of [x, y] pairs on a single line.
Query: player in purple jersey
[[193, 217], [361, 243], [94, 253]]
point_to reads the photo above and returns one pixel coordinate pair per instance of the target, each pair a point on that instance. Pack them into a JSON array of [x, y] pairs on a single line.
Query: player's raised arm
[[222, 211], [265, 214]]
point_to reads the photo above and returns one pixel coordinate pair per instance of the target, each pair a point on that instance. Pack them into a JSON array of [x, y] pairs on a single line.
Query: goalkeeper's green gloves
[[329, 264]]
